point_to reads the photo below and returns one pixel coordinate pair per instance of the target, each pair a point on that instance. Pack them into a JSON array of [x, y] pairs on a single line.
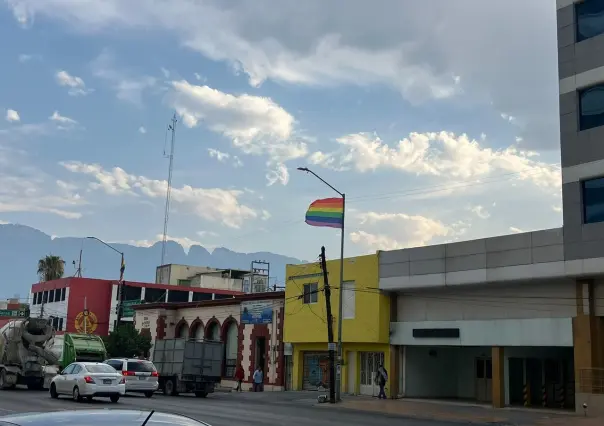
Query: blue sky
[[439, 123]]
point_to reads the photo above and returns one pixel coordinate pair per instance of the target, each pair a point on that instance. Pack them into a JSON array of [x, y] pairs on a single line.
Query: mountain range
[[22, 246]]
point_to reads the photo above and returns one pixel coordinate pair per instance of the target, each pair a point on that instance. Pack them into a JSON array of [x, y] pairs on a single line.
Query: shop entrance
[[370, 362], [316, 371]]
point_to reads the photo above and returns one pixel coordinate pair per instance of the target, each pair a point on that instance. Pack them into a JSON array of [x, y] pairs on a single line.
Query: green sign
[[14, 313], [127, 305]]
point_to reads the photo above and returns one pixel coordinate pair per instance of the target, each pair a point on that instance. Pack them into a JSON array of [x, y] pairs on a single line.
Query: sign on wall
[[257, 312], [86, 322]]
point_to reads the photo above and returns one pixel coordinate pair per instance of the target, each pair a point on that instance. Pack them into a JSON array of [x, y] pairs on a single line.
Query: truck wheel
[[201, 394], [76, 394], [169, 388], [53, 391], [148, 394]]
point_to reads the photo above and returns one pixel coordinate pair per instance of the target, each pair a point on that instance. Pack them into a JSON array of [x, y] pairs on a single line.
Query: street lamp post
[[341, 298], [120, 282]]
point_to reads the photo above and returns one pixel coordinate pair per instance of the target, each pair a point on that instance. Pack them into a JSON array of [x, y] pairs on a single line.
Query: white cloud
[[204, 234], [200, 77], [220, 156], [128, 86], [142, 130], [442, 154], [345, 46], [279, 174], [212, 204], [56, 117], [165, 72], [76, 85], [557, 209], [255, 125], [12, 116], [515, 230], [27, 58], [185, 242], [480, 211], [389, 231]]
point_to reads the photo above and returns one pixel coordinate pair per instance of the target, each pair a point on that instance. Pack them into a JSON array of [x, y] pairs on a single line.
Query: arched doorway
[[182, 330], [197, 330], [213, 330], [231, 347]]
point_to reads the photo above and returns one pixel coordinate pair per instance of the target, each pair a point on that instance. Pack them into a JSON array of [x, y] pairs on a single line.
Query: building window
[[60, 324], [311, 293], [590, 19], [178, 296], [63, 294], [349, 302], [199, 297], [591, 107], [51, 296], [593, 200], [45, 297], [34, 300]]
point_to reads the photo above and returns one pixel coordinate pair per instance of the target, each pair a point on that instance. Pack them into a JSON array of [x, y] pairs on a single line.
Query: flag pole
[[340, 304]]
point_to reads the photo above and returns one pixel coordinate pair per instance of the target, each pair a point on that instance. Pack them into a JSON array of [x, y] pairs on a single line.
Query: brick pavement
[[465, 413]]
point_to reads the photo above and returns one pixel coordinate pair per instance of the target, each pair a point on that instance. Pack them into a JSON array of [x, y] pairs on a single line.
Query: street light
[[340, 304], [122, 269]]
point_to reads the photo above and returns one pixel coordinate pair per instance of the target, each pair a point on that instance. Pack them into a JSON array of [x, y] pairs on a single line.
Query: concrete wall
[[551, 299], [505, 258], [580, 65]]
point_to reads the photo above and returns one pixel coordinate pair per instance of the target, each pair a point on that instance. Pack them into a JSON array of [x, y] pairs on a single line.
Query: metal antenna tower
[[172, 128]]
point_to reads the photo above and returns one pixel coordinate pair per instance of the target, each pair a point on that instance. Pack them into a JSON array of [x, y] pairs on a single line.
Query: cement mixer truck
[[24, 353]]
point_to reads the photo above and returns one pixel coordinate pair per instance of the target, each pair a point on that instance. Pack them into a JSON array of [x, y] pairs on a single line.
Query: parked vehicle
[[88, 380], [99, 418], [140, 375], [78, 347], [188, 366], [25, 353]]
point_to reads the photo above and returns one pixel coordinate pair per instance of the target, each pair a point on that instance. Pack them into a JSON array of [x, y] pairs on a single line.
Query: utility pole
[[172, 128], [330, 343]]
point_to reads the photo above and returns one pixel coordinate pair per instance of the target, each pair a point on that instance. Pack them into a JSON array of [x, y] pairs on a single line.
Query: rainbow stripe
[[326, 212]]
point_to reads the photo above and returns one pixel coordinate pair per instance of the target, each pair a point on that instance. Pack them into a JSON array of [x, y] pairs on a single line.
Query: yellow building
[[365, 326]]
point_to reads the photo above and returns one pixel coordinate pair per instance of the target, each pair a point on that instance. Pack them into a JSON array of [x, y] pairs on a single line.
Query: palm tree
[[51, 268]]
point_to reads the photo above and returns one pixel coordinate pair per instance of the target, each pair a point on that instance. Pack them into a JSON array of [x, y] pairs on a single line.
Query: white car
[[88, 380], [140, 375]]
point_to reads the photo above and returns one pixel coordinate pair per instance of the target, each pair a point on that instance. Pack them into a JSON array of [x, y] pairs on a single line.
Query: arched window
[[231, 348], [182, 330], [213, 331]]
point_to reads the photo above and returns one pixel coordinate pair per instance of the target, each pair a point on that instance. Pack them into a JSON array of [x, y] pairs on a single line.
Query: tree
[[126, 342], [51, 268]]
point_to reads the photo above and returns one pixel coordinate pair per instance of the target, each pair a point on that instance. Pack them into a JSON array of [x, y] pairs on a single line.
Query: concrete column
[[394, 371], [498, 378]]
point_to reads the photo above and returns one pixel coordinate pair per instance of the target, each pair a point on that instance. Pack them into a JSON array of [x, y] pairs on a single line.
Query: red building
[[66, 299], [249, 325]]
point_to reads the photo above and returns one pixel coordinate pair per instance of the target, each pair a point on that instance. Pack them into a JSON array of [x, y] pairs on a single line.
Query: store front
[[369, 364], [315, 370]]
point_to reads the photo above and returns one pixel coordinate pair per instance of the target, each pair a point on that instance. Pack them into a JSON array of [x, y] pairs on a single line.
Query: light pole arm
[[104, 243], [307, 170]]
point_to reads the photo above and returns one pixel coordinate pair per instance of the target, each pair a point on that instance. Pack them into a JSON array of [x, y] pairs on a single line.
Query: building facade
[[64, 301], [365, 321], [12, 309], [250, 326]]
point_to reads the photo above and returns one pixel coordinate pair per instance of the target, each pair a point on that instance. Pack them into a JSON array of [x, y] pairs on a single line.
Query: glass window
[[76, 369], [591, 107], [310, 293], [60, 324], [593, 200], [51, 296], [100, 368], [155, 295], [141, 366], [45, 297], [116, 364], [198, 297], [69, 369], [590, 19], [63, 293], [178, 296]]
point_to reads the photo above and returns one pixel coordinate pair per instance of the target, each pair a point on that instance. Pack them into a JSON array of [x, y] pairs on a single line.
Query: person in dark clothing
[[239, 376], [381, 379]]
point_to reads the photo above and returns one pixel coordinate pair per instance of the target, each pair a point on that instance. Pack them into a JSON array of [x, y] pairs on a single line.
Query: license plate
[[107, 381], [142, 378]]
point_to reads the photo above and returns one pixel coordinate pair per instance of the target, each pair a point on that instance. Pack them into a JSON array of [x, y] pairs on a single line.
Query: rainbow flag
[[326, 212]]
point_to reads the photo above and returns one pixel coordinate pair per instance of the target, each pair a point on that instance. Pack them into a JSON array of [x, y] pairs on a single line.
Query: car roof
[[98, 417], [128, 359]]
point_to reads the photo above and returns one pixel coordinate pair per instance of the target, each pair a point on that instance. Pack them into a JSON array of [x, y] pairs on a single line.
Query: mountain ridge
[[21, 247]]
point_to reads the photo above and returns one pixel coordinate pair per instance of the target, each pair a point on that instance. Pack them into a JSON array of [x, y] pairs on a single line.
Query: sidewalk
[[466, 413]]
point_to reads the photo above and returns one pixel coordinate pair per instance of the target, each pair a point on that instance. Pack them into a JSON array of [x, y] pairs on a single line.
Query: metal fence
[[591, 380]]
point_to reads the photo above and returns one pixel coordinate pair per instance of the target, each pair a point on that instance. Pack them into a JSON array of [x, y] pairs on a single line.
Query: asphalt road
[[219, 409]]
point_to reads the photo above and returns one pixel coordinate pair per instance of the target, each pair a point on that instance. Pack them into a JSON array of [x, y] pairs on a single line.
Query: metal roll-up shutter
[[316, 371]]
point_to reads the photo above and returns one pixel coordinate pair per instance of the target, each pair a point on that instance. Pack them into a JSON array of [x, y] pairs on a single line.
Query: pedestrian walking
[[381, 379], [239, 376], [258, 379]]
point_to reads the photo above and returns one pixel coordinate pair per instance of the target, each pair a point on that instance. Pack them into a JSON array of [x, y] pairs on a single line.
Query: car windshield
[[141, 366], [100, 368]]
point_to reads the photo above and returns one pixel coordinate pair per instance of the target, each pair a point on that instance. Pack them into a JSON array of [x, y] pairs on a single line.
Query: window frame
[[579, 94], [310, 293], [583, 203], [577, 13]]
